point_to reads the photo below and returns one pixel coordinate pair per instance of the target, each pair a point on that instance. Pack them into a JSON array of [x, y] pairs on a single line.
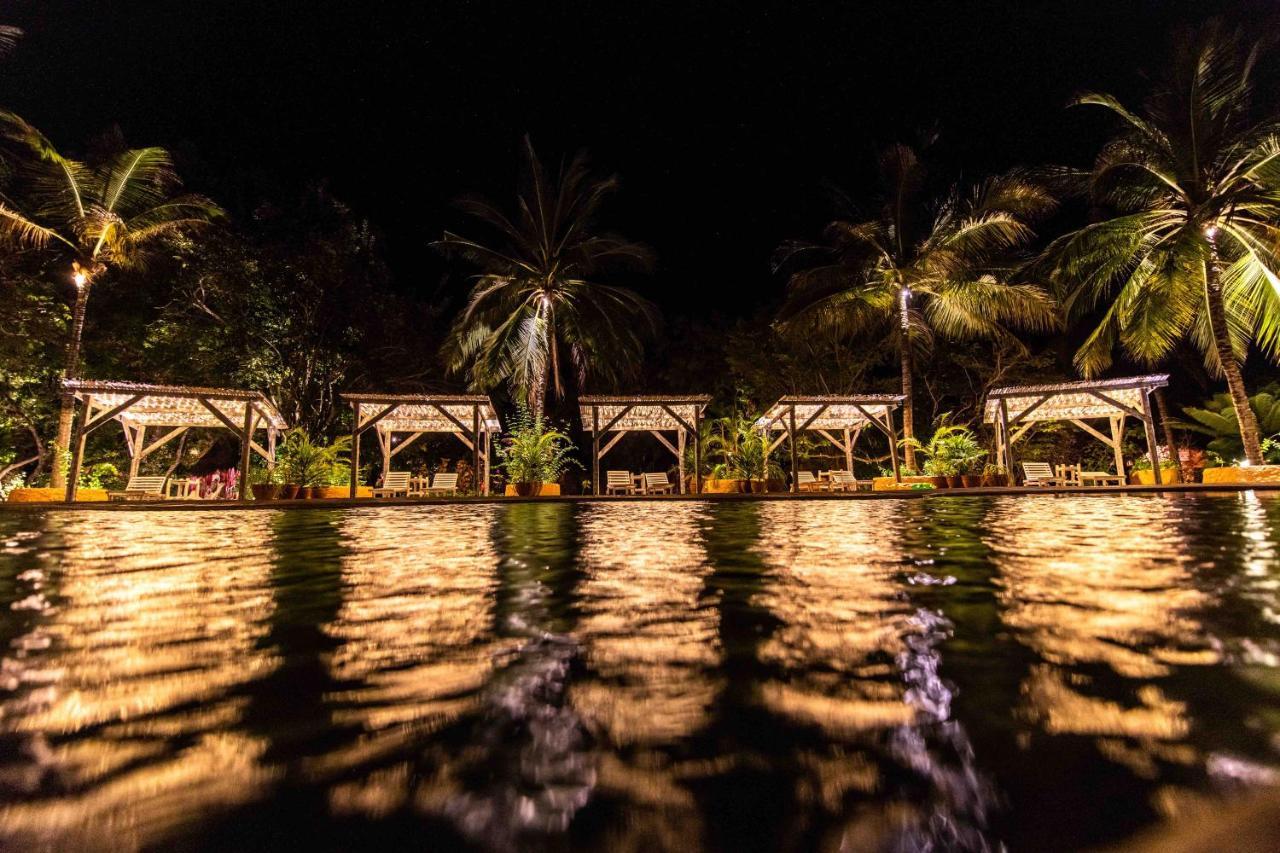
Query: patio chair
[[842, 481], [141, 488], [658, 484], [394, 483], [1067, 475], [806, 482], [619, 482], [1038, 474], [443, 484]]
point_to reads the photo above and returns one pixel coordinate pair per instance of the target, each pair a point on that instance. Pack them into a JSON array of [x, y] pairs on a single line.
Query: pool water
[[1018, 672]]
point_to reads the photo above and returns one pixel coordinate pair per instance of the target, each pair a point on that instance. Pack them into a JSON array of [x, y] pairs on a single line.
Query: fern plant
[[534, 451], [1217, 419]]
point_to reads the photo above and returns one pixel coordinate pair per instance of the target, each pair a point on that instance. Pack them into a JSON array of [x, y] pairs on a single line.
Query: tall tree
[[100, 218], [540, 311], [925, 264], [1188, 248]]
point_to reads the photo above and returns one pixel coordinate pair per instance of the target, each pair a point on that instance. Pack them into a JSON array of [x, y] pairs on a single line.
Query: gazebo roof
[[175, 405], [428, 412], [647, 412], [1096, 398], [832, 411]]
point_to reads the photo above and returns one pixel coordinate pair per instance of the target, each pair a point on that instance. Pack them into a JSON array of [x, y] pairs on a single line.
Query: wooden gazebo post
[[77, 447], [246, 440], [795, 470], [475, 444], [355, 449], [595, 449], [697, 449]]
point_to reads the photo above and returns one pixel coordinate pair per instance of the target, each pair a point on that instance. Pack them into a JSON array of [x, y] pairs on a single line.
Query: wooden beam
[[475, 446], [680, 443], [1029, 409], [1091, 431], [217, 413], [1022, 430], [697, 450], [363, 426], [459, 424], [795, 469], [616, 438], [1117, 442], [892, 433], [816, 414], [1008, 441], [872, 419], [1128, 410], [622, 414], [662, 438], [128, 437], [414, 437], [679, 420], [103, 417], [840, 444], [161, 441], [463, 438]]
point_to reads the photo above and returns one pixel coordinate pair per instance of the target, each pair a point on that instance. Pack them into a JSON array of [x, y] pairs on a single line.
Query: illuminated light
[[79, 276], [1211, 231], [1243, 463]]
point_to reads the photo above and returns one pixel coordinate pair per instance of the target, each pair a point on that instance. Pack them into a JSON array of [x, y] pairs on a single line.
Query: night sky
[[726, 120]]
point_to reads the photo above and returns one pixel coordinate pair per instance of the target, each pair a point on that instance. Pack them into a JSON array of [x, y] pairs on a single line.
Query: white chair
[[842, 481], [394, 483], [619, 482], [141, 488], [1038, 474], [658, 484], [806, 482], [443, 484]]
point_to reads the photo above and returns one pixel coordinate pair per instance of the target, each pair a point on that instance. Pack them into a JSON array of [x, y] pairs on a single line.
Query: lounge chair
[[658, 484], [806, 482], [842, 481], [443, 484], [141, 488], [394, 483], [1038, 474], [619, 482]]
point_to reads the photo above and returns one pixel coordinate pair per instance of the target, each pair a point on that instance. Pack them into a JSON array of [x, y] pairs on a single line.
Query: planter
[[971, 481], [887, 484], [27, 496], [1147, 478], [1233, 475], [333, 492], [954, 481], [712, 486], [305, 492], [289, 491], [995, 480], [530, 490], [266, 491]]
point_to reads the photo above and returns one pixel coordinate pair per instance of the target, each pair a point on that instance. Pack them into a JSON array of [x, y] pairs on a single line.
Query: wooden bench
[[141, 488], [395, 483]]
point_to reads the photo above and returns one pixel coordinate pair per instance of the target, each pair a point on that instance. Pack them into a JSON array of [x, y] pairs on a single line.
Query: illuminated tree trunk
[[1162, 407], [1216, 306], [908, 384], [67, 405]]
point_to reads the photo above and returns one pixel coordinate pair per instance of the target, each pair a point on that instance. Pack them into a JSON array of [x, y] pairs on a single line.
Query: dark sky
[[725, 119]]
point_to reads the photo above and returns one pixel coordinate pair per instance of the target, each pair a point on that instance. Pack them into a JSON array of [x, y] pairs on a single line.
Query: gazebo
[[838, 418], [656, 415], [1015, 410], [470, 417], [176, 409]]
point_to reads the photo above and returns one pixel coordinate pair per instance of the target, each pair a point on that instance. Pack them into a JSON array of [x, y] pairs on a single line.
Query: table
[[1100, 478]]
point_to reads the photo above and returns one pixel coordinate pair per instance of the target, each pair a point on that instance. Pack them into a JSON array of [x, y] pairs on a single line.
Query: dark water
[[1028, 673]]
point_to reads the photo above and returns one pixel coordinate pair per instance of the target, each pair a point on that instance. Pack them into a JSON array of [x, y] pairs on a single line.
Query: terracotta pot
[[953, 481], [997, 480], [289, 491], [527, 490], [305, 492], [938, 482], [971, 481], [266, 491], [714, 486]]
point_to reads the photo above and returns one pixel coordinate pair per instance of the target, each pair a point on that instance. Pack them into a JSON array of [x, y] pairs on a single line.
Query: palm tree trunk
[[1162, 407], [1216, 306], [908, 408], [67, 403]]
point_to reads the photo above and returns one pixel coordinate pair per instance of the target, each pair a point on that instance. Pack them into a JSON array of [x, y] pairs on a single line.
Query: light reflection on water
[[1038, 673]]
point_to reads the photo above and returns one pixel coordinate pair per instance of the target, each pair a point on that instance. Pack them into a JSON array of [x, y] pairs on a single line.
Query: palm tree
[[100, 217], [539, 304], [1188, 251], [922, 266]]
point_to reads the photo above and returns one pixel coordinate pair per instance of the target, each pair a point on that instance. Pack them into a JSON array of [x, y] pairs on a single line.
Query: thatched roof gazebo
[[175, 408], [654, 414], [1014, 410], [469, 417], [838, 418]]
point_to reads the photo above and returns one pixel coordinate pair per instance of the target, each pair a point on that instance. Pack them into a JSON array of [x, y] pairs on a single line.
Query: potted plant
[[533, 454], [1140, 472], [306, 466], [265, 483], [994, 475]]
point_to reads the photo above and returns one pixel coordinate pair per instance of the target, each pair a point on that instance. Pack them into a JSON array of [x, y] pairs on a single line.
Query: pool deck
[[904, 494]]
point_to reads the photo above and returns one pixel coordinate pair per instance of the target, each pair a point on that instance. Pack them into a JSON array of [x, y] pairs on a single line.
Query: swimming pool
[[1041, 672]]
